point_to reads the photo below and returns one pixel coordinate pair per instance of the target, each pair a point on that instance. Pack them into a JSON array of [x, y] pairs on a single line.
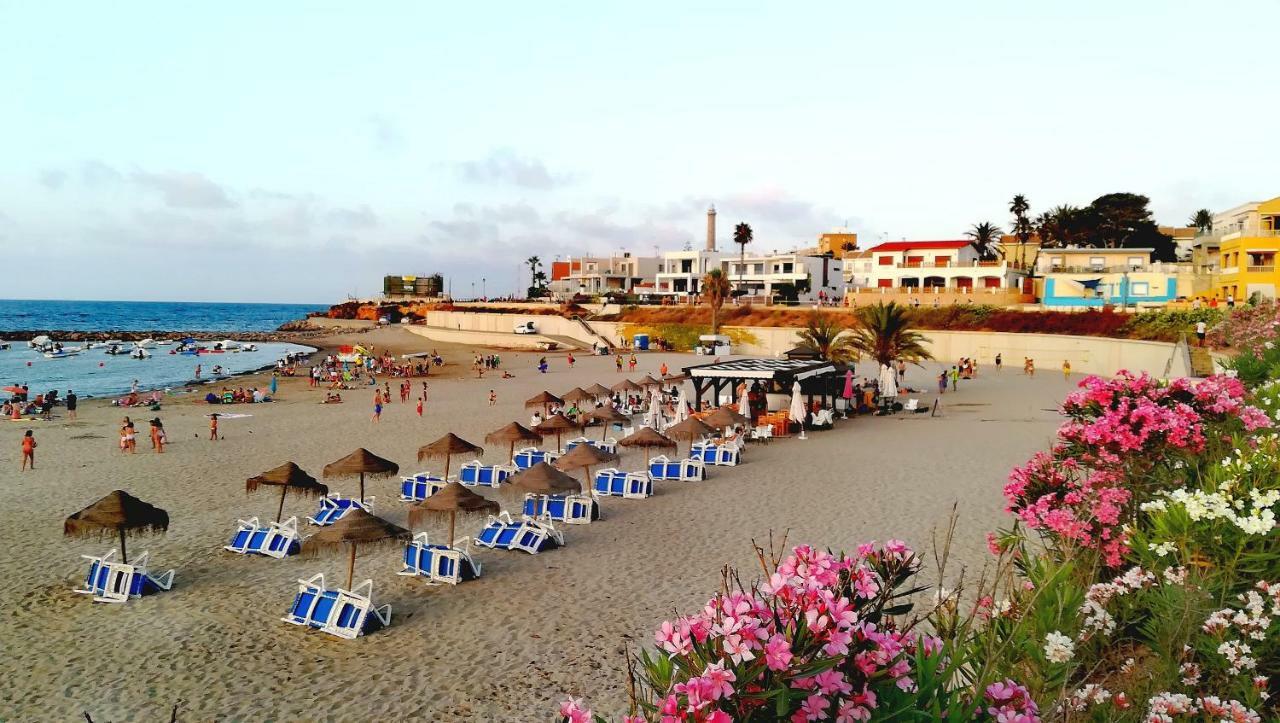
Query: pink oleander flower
[[572, 711]]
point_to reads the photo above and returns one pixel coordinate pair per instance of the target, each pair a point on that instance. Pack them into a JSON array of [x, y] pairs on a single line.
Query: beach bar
[[817, 378]]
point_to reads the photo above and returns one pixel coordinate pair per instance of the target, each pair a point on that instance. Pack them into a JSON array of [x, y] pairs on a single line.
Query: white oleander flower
[[1058, 648]]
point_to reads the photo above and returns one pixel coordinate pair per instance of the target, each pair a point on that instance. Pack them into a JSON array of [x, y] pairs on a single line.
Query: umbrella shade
[[543, 479], [451, 501], [356, 528], [690, 429], [578, 394], [512, 433], [675, 378], [648, 437], [359, 463], [289, 477], [607, 415], [117, 514], [446, 447], [723, 417], [543, 399], [584, 455], [848, 384], [626, 385], [598, 390], [796, 412], [649, 381]]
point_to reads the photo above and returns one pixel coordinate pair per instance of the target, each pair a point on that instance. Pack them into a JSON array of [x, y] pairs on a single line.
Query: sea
[[94, 373]]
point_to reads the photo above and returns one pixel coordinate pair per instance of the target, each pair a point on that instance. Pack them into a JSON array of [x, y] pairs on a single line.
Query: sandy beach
[[505, 647]]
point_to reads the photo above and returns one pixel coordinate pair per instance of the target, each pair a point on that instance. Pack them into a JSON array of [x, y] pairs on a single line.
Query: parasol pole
[[351, 566], [124, 555], [453, 517], [280, 512], [362, 487], [446, 467], [511, 452]]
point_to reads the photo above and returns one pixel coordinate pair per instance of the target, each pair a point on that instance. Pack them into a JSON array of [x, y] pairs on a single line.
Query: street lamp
[[473, 291], [484, 288]]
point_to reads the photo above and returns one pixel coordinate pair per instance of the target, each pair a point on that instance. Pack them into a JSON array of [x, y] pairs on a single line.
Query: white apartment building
[[950, 265], [810, 275], [680, 272], [600, 275]]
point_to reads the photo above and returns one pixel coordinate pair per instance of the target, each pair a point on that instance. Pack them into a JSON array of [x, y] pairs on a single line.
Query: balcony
[[958, 265], [1102, 269], [1263, 269]]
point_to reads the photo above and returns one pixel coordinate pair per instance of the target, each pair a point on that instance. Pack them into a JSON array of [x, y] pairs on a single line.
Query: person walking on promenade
[[1066, 370], [999, 363]]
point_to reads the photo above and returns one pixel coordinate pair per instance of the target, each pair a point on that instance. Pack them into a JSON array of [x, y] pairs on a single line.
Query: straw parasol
[[289, 477], [578, 394], [512, 433], [584, 457], [117, 514], [355, 528], [725, 416], [544, 400], [690, 429], [451, 500], [543, 479], [675, 378], [648, 438], [447, 446], [599, 391], [557, 423], [649, 381], [626, 385], [361, 462], [607, 415]]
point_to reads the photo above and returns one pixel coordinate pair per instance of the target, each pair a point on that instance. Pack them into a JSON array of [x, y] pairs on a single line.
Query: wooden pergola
[[817, 378]]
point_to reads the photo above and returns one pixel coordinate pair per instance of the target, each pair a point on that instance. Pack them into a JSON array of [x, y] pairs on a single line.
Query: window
[[1097, 262], [786, 268], [1135, 262], [884, 283], [1140, 288], [884, 260]]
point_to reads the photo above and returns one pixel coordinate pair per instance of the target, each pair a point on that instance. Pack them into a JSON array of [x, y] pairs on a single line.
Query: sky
[[297, 152]]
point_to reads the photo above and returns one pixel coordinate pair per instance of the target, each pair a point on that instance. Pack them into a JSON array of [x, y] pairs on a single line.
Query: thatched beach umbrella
[[544, 400], [599, 391], [648, 438], [675, 378], [289, 477], [722, 417], [556, 424], [446, 447], [624, 386], [607, 415], [584, 457], [356, 528], [577, 394], [649, 381], [119, 513], [543, 479], [690, 429], [453, 499], [512, 433], [361, 462]]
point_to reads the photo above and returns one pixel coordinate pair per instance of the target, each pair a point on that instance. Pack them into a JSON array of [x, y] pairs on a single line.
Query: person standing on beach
[[213, 427], [493, 397], [377, 406], [157, 436], [955, 378], [631, 363], [420, 400], [133, 388], [197, 371], [902, 371], [72, 401], [128, 437], [1201, 328], [999, 362], [942, 382], [1066, 370], [29, 450], [618, 362], [275, 379]]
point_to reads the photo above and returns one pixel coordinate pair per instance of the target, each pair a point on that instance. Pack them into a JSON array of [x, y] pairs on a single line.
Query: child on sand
[[28, 450], [493, 397], [1066, 370], [618, 361], [213, 427], [571, 360], [419, 407]]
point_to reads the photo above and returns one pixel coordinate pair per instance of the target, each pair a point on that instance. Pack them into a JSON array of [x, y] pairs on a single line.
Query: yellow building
[[1248, 239], [837, 244]]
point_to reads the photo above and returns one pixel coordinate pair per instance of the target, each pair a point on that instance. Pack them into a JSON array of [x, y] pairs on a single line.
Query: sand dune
[[505, 647]]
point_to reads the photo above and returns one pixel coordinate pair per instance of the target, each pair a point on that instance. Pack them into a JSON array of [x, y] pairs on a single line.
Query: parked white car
[[526, 327]]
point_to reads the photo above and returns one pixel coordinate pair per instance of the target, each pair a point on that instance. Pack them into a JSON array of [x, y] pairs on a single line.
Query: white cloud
[[184, 189], [505, 168]]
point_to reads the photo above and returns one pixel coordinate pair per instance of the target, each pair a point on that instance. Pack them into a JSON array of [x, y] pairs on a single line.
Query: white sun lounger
[[613, 482], [440, 563], [570, 509], [682, 470], [420, 486], [347, 614], [500, 532], [475, 474], [334, 506], [529, 456], [110, 580]]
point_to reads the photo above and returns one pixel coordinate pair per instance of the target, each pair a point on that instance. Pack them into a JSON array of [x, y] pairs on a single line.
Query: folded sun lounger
[[420, 486], [685, 470], [529, 456], [474, 474], [345, 613], [334, 506], [112, 581], [608, 445], [616, 483], [440, 563], [570, 509], [500, 532]]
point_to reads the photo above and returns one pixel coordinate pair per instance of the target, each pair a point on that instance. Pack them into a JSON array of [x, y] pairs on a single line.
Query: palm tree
[[985, 238], [537, 278], [824, 334], [742, 236], [1202, 220], [1021, 225], [883, 332], [715, 289]]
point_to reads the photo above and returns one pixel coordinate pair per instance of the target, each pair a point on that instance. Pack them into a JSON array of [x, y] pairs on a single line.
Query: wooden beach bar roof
[[817, 377]]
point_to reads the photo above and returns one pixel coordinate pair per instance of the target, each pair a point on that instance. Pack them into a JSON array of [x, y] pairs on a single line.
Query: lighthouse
[[711, 228]]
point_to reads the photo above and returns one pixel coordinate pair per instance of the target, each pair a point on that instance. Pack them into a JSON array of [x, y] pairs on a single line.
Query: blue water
[[96, 373], [18, 315]]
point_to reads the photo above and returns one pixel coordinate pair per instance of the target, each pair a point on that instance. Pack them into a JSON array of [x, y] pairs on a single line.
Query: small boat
[[40, 343], [117, 349], [139, 353], [249, 347], [63, 352], [164, 342], [144, 344]]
